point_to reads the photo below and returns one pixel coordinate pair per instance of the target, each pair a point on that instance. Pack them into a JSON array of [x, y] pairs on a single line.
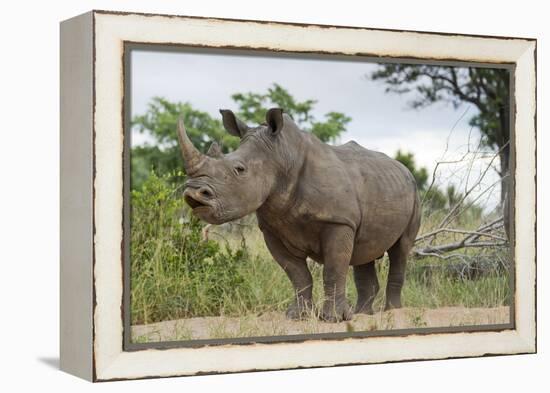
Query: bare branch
[[460, 231], [468, 241], [448, 218], [473, 201], [423, 253], [438, 250], [492, 224]]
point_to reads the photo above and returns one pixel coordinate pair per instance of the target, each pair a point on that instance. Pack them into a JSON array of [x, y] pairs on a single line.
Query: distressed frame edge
[[76, 196], [528, 340], [525, 122], [305, 24]]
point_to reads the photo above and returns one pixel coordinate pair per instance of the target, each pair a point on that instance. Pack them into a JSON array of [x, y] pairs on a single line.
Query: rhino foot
[[392, 304], [300, 310], [336, 312], [364, 309]]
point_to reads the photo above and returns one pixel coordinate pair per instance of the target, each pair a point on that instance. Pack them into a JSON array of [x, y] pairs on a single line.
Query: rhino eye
[[239, 169], [206, 193]]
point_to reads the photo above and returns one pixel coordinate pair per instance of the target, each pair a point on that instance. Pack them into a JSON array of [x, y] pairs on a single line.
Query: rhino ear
[[232, 124], [274, 119], [214, 150]]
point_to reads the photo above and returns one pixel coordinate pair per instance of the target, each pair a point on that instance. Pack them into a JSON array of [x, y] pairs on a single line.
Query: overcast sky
[[380, 121]]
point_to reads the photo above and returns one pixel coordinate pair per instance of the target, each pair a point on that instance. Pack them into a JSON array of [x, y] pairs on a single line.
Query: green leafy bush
[[174, 271]]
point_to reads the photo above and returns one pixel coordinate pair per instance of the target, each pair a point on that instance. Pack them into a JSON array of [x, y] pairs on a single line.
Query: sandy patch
[[276, 324]]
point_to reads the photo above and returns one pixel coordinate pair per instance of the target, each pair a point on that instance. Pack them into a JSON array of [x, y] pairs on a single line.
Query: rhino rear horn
[[214, 151], [232, 124], [192, 158]]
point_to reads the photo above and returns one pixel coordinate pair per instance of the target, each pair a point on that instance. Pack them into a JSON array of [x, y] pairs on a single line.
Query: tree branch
[[459, 231], [431, 250], [470, 240]]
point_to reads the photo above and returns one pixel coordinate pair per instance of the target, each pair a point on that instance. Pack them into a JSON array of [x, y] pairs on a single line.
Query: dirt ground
[[275, 323]]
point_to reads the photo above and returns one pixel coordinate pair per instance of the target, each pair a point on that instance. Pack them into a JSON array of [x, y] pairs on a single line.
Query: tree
[[432, 197], [252, 107], [162, 155], [488, 89], [420, 174]]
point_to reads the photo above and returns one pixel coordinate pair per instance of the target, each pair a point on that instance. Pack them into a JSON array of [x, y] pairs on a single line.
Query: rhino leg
[[298, 273], [367, 285], [398, 254], [396, 277], [337, 250]]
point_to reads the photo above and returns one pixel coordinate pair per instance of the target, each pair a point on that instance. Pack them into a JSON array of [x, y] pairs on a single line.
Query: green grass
[[175, 273]]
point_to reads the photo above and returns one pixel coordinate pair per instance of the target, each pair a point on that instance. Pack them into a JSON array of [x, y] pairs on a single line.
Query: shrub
[[175, 272]]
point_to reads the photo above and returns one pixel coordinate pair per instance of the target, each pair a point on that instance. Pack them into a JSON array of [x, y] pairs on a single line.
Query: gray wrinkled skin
[[338, 205]]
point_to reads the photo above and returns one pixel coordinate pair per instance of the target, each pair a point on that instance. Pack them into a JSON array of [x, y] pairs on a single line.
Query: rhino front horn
[[192, 158]]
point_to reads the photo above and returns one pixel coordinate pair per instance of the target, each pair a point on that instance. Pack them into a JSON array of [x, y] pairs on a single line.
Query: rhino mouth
[[195, 203]]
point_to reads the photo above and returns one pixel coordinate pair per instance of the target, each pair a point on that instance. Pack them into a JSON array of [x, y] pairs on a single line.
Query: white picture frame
[[92, 190]]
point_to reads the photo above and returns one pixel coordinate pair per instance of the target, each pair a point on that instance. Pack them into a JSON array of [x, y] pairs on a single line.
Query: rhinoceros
[[340, 206]]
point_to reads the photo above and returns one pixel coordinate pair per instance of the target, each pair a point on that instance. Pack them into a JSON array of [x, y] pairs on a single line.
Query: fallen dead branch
[[470, 239]]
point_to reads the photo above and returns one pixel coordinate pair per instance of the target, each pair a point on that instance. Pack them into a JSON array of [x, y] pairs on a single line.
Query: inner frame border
[[130, 46]]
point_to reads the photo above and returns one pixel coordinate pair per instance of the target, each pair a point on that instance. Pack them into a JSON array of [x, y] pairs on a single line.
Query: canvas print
[[273, 196]]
